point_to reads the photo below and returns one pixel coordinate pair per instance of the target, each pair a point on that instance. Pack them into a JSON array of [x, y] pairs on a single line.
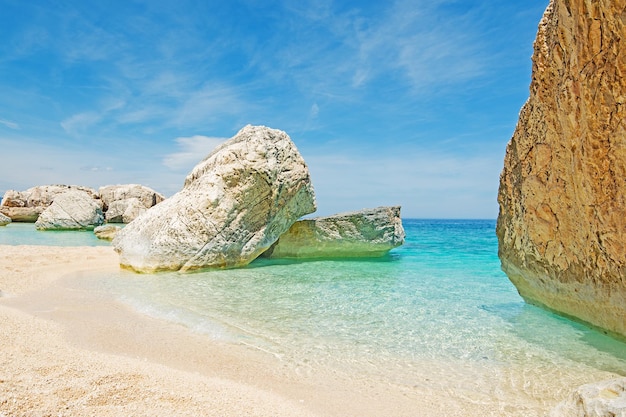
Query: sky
[[397, 102]]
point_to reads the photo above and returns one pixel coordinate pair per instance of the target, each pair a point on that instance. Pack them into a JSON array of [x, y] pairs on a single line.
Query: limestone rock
[[562, 196], [124, 211], [4, 220], [602, 399], [365, 233], [123, 203], [26, 206], [106, 231], [233, 206], [73, 209]]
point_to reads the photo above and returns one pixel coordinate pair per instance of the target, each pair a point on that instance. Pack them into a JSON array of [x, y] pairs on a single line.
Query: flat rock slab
[[365, 233]]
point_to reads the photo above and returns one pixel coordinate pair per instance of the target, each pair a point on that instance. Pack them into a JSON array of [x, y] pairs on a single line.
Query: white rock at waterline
[[601, 399], [233, 206], [4, 220], [364, 233], [73, 209]]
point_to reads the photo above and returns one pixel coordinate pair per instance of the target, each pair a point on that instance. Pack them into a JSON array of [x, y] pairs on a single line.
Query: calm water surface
[[439, 299]]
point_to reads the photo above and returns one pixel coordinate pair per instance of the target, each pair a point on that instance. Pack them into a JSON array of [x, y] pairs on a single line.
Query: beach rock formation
[[601, 399], [124, 211], [233, 206], [73, 209], [106, 231], [364, 233], [123, 203], [562, 196], [26, 206], [4, 220]]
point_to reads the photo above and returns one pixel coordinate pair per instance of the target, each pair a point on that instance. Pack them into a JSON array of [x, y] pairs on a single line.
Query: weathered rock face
[[73, 209], [26, 206], [562, 221], [365, 233], [124, 211], [123, 203], [233, 206], [4, 220], [602, 399]]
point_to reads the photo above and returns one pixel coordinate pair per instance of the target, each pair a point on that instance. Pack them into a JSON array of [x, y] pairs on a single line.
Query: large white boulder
[[73, 209], [364, 233], [233, 206], [601, 399], [26, 206]]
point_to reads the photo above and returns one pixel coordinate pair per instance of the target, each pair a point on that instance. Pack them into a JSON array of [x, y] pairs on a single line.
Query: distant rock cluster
[[69, 207], [242, 201]]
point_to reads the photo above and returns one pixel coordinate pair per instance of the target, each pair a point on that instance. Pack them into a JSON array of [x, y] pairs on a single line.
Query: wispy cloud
[[9, 124], [415, 45], [191, 151], [346, 80], [79, 123]]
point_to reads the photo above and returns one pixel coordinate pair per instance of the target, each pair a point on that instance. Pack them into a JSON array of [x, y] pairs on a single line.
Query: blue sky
[[407, 102]]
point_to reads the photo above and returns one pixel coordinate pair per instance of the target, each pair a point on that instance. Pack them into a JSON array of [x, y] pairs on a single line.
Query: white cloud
[[192, 150], [9, 124]]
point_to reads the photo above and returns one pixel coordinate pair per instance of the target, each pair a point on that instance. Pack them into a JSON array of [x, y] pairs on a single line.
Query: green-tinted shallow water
[[26, 234]]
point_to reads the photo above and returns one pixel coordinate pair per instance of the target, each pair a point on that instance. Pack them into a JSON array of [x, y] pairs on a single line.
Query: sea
[[438, 308]]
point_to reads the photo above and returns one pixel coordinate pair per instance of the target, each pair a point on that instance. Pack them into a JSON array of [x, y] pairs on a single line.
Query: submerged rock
[[562, 221], [26, 206], [123, 203], [601, 399], [106, 231], [73, 209], [364, 233], [233, 206], [4, 220]]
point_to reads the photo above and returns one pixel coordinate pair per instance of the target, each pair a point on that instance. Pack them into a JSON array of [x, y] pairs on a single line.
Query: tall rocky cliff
[[562, 222]]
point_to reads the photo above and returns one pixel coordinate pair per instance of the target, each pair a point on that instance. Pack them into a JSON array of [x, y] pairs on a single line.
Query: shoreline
[[68, 350]]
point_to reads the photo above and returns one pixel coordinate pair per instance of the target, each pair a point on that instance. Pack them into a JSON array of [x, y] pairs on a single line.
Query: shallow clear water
[[26, 234], [439, 298]]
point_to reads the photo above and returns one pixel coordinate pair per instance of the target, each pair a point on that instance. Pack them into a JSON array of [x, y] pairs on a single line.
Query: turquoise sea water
[[441, 298], [26, 234]]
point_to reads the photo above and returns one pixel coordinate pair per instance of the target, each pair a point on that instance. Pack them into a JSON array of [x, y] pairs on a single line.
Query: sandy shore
[[67, 351]]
